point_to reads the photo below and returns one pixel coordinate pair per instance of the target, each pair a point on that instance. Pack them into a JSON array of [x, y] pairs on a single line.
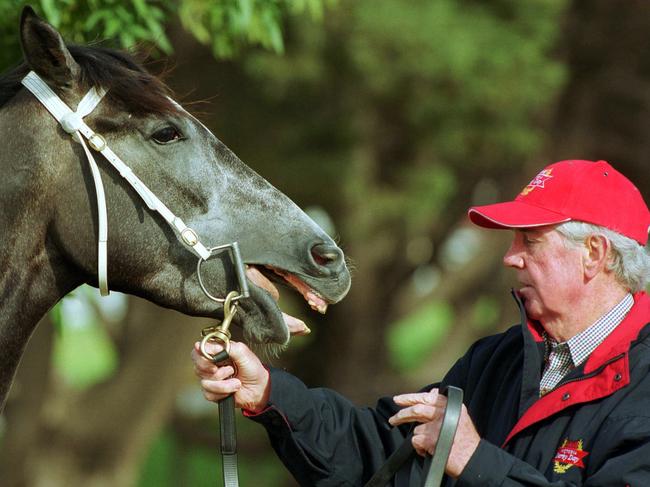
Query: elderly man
[[563, 399]]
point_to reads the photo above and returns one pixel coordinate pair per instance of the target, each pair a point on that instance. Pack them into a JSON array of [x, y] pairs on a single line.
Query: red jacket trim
[[611, 355]]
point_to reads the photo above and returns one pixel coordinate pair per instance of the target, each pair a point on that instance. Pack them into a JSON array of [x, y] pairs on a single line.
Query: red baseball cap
[[592, 192]]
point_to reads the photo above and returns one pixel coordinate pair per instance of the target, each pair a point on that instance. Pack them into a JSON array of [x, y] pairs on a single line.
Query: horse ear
[[45, 52]]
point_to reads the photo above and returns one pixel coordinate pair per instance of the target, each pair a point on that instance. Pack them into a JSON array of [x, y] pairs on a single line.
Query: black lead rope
[[228, 442], [227, 431], [228, 439], [435, 465]]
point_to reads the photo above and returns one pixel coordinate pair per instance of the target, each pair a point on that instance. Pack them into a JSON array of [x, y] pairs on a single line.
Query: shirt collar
[[585, 342]]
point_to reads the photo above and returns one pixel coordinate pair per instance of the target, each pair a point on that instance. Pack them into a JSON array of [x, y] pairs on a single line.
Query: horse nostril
[[326, 255]]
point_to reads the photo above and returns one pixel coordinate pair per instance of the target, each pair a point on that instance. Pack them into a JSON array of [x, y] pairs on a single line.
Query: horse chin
[[261, 320]]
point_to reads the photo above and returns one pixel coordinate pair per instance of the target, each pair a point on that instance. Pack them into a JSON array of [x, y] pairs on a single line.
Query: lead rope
[[434, 466], [228, 434], [446, 436]]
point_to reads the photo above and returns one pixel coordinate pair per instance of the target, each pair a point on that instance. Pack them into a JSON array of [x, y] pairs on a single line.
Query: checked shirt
[[561, 358]]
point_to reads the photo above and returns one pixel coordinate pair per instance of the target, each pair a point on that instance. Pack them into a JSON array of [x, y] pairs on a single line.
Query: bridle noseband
[[73, 123]]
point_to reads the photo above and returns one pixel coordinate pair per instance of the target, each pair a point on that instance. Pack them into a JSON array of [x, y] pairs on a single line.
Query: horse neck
[[28, 288], [32, 277]]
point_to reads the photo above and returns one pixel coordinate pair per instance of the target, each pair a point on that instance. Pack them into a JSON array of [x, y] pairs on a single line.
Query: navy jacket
[[593, 429]]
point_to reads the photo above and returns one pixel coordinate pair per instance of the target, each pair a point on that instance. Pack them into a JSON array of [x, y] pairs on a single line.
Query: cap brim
[[514, 214]]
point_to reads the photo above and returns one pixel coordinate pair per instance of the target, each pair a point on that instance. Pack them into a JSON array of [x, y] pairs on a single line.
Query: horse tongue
[[296, 326], [260, 280]]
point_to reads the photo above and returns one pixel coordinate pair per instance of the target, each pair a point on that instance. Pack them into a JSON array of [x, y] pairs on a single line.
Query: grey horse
[[48, 217]]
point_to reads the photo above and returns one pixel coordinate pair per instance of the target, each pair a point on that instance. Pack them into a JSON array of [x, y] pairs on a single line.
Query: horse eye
[[167, 135]]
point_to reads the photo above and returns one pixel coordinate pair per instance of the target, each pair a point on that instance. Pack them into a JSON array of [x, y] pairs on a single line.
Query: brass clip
[[220, 333]]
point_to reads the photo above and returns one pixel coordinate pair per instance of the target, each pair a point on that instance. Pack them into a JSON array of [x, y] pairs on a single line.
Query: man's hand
[[250, 383], [428, 408]]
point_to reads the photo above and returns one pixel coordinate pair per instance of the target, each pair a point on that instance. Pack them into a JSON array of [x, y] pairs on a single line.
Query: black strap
[[438, 462], [228, 434], [391, 466], [446, 437]]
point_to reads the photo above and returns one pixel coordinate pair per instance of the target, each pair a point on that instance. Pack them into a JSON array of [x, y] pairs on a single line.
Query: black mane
[[128, 83]]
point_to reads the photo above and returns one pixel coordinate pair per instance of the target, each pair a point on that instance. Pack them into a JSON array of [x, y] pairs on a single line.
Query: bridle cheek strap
[[73, 123]]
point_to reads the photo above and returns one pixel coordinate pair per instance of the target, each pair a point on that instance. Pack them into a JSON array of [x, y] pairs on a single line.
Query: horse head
[[49, 207]]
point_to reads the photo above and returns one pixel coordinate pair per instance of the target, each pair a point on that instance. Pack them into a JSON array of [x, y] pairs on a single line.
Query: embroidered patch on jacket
[[568, 455], [538, 181]]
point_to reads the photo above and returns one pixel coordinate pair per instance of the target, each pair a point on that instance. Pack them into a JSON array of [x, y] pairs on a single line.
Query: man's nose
[[512, 258]]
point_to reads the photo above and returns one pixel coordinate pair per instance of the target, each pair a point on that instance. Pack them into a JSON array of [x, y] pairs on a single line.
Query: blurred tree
[[394, 117], [224, 25], [604, 112]]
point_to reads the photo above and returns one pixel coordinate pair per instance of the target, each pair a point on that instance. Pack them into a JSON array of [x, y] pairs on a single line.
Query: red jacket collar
[[619, 340], [613, 376]]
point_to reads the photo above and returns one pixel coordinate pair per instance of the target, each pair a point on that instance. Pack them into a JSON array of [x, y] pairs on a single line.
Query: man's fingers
[[419, 407], [215, 373], [425, 437], [224, 372], [420, 444], [411, 399], [212, 348], [225, 387], [214, 397], [421, 413], [202, 366]]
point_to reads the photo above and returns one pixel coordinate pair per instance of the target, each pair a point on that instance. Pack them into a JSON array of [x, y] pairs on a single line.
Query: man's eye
[[167, 135]]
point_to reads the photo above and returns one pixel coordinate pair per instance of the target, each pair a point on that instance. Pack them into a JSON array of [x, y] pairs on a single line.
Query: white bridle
[[73, 123]]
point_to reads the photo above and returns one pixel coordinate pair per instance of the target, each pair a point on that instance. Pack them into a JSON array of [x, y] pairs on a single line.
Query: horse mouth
[[262, 277]]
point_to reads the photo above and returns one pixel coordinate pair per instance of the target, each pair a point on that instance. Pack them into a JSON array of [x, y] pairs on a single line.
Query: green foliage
[[485, 313], [170, 463], [467, 79], [415, 97], [83, 353], [84, 356], [157, 467], [225, 25], [411, 339]]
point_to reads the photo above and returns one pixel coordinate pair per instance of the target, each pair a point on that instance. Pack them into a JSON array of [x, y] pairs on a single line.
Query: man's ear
[[597, 254], [45, 52]]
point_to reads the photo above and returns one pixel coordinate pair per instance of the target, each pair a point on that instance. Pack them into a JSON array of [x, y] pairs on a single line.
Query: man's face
[[550, 271]]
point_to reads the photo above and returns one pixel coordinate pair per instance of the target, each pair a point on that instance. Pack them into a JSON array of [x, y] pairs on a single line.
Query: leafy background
[[385, 120]]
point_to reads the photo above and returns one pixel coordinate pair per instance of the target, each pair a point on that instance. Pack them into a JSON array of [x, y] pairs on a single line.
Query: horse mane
[[127, 82]]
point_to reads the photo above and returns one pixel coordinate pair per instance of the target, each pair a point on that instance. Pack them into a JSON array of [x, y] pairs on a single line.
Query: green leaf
[[84, 356], [411, 339], [51, 12]]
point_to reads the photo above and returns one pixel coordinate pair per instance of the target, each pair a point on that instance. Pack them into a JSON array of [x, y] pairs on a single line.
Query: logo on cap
[[538, 181]]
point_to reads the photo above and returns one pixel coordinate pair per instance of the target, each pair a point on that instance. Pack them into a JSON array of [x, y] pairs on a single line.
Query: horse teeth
[[322, 309]]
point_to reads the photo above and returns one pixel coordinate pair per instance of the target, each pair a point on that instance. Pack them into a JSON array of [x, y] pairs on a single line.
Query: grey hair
[[631, 261]]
